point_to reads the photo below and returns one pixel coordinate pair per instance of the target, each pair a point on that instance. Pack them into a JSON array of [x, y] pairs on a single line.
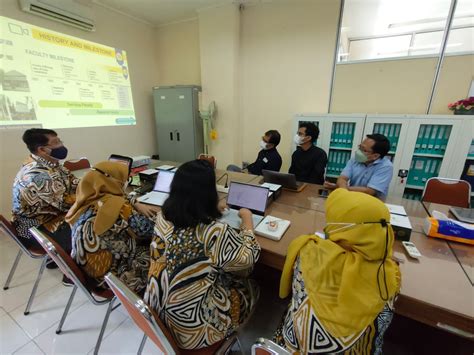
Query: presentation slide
[[52, 80]]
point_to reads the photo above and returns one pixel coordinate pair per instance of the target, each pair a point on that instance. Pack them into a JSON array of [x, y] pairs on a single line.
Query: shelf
[[391, 152], [414, 187], [335, 176], [340, 148], [427, 155]]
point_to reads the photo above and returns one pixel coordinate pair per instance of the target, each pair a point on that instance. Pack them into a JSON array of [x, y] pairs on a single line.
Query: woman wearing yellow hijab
[[343, 286], [107, 233]]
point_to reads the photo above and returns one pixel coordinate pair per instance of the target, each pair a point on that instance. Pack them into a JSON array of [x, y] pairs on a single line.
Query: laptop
[[161, 190], [123, 160], [248, 196], [288, 181], [463, 214]]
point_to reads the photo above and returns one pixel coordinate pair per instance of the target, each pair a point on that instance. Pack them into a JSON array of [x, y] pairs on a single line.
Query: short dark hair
[[311, 130], [381, 145], [193, 196], [274, 137], [37, 137]]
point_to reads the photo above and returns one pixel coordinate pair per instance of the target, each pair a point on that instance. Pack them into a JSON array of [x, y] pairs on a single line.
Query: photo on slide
[[19, 106]]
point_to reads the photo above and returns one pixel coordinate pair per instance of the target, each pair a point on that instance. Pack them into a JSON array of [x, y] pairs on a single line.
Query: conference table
[[437, 289]]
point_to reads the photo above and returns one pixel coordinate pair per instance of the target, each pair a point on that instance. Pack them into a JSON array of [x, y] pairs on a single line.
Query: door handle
[[171, 135], [177, 135]]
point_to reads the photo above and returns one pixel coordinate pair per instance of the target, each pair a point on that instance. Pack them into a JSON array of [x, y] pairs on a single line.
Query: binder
[[439, 140], [331, 141], [427, 171], [396, 136], [421, 132], [344, 133], [432, 141], [426, 138], [330, 163]]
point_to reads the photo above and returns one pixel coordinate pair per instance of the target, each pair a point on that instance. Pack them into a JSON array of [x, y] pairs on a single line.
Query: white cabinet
[[425, 145]]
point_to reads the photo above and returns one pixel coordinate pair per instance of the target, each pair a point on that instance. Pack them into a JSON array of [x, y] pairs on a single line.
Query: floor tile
[[22, 284], [80, 330], [29, 349], [126, 340], [12, 337], [47, 309]]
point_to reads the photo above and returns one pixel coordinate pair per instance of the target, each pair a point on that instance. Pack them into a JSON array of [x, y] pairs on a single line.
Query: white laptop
[[160, 191], [245, 196]]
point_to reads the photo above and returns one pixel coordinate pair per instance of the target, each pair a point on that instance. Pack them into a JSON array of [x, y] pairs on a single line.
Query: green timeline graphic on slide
[[59, 81]]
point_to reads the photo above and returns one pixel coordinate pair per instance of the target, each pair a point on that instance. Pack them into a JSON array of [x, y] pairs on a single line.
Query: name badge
[[265, 160]]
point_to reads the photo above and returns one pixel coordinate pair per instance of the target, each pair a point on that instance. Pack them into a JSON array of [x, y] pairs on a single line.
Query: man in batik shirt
[[43, 190]]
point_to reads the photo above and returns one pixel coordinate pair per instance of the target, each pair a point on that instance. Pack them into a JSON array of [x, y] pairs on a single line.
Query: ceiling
[[160, 12]]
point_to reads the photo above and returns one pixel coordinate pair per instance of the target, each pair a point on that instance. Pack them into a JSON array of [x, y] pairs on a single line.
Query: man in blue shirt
[[369, 171]]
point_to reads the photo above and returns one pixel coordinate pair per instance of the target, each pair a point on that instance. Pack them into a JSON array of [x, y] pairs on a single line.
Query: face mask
[[59, 153], [360, 157], [343, 226], [263, 145], [298, 140]]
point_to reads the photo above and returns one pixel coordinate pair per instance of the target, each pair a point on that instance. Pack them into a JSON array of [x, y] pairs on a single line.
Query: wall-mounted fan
[[208, 125]]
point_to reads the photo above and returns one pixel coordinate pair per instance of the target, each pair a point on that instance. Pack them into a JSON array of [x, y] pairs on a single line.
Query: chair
[[447, 192], [77, 164], [34, 253], [267, 347], [210, 158], [147, 320], [69, 267]]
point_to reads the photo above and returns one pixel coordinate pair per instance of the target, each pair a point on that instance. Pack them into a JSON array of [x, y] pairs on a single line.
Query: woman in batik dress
[[198, 282], [108, 234]]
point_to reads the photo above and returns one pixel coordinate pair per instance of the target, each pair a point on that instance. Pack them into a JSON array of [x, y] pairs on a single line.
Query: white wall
[[95, 143]]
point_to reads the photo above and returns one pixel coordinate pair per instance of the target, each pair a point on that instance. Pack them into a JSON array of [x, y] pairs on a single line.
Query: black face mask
[[59, 153]]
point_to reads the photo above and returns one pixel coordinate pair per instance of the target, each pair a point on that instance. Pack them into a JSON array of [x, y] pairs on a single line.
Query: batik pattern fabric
[[197, 282], [124, 249], [301, 331], [42, 194]]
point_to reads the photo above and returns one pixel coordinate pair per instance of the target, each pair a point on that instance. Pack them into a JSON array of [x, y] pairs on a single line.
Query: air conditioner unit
[[71, 12]]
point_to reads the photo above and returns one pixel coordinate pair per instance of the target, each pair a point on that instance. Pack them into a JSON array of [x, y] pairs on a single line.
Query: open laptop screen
[[247, 196], [123, 160], [163, 181]]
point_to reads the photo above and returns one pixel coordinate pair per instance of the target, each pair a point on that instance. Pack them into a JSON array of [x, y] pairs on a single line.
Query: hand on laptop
[[330, 185], [149, 211], [246, 216], [222, 205]]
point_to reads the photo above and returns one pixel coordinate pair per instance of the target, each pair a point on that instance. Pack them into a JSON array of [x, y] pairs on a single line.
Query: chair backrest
[[64, 261], [447, 192], [9, 229], [143, 316], [267, 347], [210, 158], [78, 164]]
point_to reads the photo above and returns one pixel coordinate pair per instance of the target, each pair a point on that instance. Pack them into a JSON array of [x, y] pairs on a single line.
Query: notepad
[[396, 209], [262, 228], [165, 167]]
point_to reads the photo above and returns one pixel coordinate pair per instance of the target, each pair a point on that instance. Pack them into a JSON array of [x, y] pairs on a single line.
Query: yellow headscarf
[[340, 273], [103, 192]]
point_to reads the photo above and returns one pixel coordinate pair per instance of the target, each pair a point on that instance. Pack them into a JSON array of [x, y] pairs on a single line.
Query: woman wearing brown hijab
[[108, 234]]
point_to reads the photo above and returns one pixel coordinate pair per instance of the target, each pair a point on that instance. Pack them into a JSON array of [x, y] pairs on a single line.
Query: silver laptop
[[245, 196], [463, 214], [288, 181], [161, 190]]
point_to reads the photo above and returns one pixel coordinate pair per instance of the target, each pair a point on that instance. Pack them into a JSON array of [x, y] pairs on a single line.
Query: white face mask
[[298, 140], [263, 145]]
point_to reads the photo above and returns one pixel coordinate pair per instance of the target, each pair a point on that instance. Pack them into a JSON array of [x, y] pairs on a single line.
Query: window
[[377, 29]]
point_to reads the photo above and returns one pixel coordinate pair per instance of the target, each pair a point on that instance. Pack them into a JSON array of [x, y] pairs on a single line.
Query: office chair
[[267, 347], [446, 191], [77, 164]]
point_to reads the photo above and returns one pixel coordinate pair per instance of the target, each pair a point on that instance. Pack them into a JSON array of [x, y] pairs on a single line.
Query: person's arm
[[292, 166], [257, 166], [140, 225], [52, 192], [345, 177], [342, 182], [232, 251], [380, 180], [317, 173], [366, 190]]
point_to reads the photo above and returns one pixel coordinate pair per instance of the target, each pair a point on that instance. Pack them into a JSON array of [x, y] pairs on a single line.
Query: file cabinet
[[425, 145]]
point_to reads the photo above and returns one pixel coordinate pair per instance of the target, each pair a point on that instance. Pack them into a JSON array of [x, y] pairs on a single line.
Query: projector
[[140, 160]]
